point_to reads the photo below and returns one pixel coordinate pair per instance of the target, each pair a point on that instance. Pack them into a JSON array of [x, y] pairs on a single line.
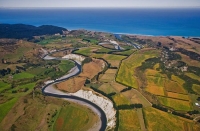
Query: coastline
[[166, 22]]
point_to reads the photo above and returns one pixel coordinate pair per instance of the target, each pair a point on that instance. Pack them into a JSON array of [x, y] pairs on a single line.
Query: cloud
[[99, 3]]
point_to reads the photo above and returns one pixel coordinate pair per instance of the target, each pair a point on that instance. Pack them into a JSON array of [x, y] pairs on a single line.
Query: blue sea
[[157, 22]]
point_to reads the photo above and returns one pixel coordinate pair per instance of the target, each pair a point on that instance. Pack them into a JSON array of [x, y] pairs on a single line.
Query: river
[[48, 90]]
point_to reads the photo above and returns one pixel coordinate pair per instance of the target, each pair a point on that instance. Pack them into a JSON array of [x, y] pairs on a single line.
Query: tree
[[8, 70]]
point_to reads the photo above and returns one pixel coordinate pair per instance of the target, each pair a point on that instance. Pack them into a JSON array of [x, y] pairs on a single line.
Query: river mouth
[[48, 90]]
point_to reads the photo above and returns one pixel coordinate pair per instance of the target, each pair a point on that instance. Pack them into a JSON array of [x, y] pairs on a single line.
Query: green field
[[50, 40], [65, 66], [109, 56], [128, 52], [11, 98], [196, 88], [4, 86], [104, 50], [74, 118], [193, 76], [120, 99], [22, 76], [127, 69], [84, 51], [5, 107], [175, 104]]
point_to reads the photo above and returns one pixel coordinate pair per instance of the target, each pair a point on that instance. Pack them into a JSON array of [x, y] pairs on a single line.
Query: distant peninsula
[[20, 31]]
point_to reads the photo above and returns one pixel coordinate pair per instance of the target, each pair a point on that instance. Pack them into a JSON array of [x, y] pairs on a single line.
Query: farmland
[[127, 69], [149, 75], [108, 76], [155, 85], [175, 103], [22, 76], [128, 120], [174, 86], [136, 97], [73, 117], [196, 88], [107, 88], [120, 99], [193, 76], [159, 120], [178, 96]]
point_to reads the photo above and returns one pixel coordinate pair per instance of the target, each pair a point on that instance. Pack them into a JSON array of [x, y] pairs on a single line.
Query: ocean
[[157, 22]]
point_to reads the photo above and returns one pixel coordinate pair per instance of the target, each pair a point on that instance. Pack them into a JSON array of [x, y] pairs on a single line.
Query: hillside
[[19, 31]]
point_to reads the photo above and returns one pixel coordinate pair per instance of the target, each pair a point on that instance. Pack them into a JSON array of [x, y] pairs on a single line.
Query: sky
[[101, 3]]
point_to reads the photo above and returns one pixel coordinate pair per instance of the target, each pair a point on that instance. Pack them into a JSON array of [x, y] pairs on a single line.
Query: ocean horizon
[[154, 22]]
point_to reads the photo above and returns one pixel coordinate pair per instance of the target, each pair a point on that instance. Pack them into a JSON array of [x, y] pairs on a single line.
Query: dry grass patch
[[155, 90], [136, 97], [175, 103], [114, 63], [157, 120], [91, 69], [155, 85], [117, 86], [111, 71], [151, 72], [72, 85], [178, 96], [128, 121], [120, 99], [189, 61], [107, 88], [107, 77], [173, 86]]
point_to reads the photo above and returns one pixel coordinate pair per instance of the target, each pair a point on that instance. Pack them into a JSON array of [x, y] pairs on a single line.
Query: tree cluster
[[126, 89], [4, 72], [86, 60], [181, 115], [193, 112], [131, 106], [160, 107]]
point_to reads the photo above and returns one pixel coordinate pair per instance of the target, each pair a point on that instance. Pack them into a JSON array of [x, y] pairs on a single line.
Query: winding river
[[49, 90]]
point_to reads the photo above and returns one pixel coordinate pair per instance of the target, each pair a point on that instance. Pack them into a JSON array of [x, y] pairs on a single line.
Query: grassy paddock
[[175, 104], [193, 76], [107, 88], [5, 107], [4, 86], [65, 66], [196, 88], [128, 120], [177, 79], [75, 117], [174, 86], [22, 76], [178, 96], [155, 85], [127, 69], [157, 120], [120, 99]]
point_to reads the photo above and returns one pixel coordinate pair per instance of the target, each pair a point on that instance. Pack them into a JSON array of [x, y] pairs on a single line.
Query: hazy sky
[[99, 3]]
